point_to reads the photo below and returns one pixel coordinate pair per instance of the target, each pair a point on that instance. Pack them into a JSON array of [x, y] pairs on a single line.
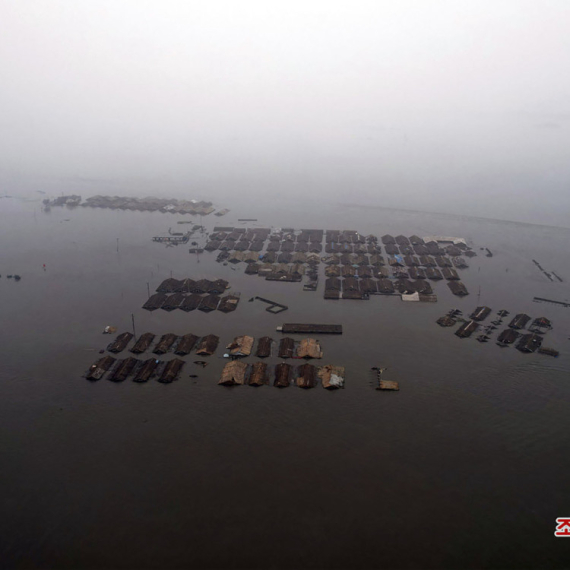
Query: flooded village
[[277, 268], [281, 329], [335, 265]]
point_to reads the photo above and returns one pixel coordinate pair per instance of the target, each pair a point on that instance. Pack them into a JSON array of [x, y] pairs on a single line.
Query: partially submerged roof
[[282, 375], [480, 313], [529, 342], [208, 345], [233, 373], [466, 329], [332, 377], [508, 336], [241, 346], [306, 376], [258, 375], [286, 347], [264, 347], [309, 348], [457, 288], [519, 321]]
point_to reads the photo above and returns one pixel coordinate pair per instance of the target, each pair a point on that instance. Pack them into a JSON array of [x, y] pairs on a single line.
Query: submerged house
[[333, 283], [480, 313], [186, 344], [208, 345], [191, 302], [332, 377], [171, 371], [508, 336], [309, 348], [519, 321], [170, 286], [201, 286], [467, 329], [286, 348], [529, 342], [306, 376], [540, 325], [233, 373], [241, 346], [155, 302], [165, 343], [229, 303], [264, 345], [385, 287], [368, 285], [458, 288], [218, 286], [258, 375], [350, 284], [209, 303], [450, 273], [172, 302], [282, 375]]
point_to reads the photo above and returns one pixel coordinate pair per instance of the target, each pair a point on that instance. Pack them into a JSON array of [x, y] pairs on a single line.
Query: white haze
[[450, 106]]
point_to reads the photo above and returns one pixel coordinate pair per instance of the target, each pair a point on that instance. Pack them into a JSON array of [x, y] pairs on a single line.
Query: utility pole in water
[[134, 332]]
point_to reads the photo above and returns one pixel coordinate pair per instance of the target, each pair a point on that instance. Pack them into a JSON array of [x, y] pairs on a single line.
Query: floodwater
[[466, 467]]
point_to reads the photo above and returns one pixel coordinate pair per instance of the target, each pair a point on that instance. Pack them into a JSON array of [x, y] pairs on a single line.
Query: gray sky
[[455, 106]]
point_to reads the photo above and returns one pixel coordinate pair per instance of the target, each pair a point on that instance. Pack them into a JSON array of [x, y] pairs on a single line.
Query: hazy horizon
[[445, 106]]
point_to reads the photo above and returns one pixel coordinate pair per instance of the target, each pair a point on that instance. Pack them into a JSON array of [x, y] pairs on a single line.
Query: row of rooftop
[[235, 373], [306, 376], [333, 248], [349, 259], [207, 303], [290, 246], [149, 204], [240, 346], [330, 236]]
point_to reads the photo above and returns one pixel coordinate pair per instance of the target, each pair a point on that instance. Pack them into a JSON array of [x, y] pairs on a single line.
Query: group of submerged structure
[[237, 373], [355, 268], [144, 370], [181, 345], [140, 370], [189, 295], [306, 348], [151, 204], [525, 342]]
